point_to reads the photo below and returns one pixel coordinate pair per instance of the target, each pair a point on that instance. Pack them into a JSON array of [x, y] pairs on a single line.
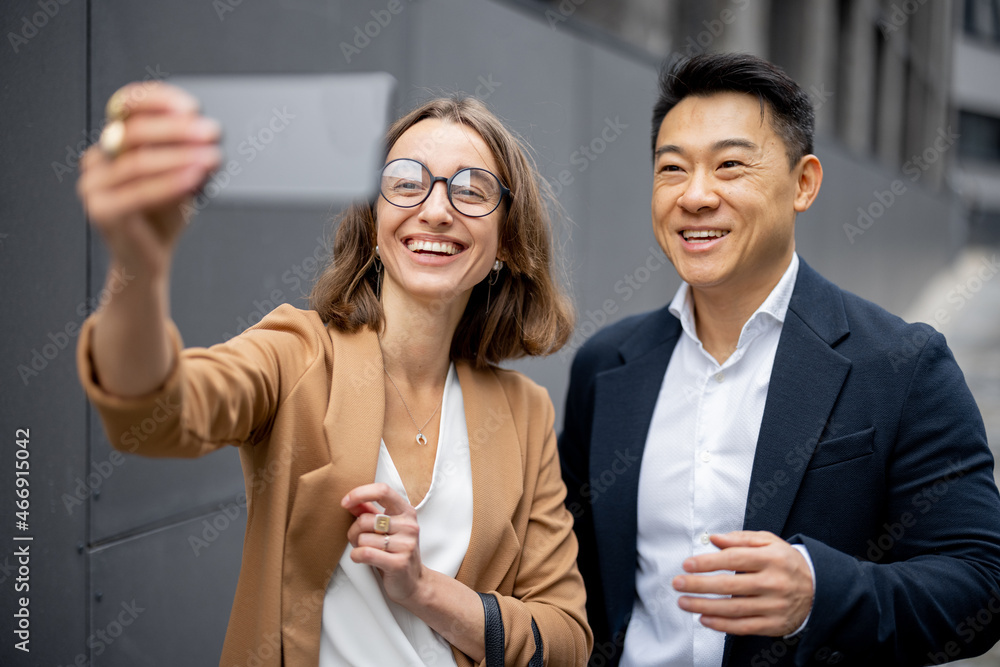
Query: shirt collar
[[773, 309]]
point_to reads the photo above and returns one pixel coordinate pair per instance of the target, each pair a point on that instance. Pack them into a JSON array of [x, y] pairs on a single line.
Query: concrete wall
[[157, 543]]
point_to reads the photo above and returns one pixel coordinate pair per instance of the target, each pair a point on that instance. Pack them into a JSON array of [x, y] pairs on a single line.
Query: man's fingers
[[717, 584], [744, 538], [738, 607], [754, 625], [734, 559]]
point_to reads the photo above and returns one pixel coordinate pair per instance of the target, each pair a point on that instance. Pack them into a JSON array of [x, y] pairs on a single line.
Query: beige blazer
[[304, 403]]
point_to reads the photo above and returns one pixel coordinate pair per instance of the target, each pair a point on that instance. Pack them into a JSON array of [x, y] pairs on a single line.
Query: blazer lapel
[[317, 525], [805, 382], [624, 400], [497, 480]]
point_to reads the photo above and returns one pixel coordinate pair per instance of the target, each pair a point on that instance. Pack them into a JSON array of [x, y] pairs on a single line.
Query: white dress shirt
[[361, 626], [695, 474]]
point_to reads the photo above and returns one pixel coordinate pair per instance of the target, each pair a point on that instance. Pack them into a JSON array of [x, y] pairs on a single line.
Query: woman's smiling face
[[432, 252]]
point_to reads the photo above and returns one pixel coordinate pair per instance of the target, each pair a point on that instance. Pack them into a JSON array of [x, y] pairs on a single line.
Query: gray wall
[[134, 561]]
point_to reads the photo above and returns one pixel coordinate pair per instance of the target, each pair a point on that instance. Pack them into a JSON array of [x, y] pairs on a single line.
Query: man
[[824, 459]]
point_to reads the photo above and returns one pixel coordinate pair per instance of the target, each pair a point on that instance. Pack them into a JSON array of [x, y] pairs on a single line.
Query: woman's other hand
[[395, 553]]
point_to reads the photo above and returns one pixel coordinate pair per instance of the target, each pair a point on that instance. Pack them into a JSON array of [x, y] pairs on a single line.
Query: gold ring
[[115, 108], [112, 139], [381, 523], [385, 545]]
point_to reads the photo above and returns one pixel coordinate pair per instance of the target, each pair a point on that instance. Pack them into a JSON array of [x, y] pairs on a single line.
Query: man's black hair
[[790, 111]]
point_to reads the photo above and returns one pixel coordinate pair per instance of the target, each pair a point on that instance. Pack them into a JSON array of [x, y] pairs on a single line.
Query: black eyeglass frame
[[504, 190]]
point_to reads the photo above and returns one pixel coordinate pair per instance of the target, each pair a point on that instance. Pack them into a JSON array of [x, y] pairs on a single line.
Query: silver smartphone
[[308, 139]]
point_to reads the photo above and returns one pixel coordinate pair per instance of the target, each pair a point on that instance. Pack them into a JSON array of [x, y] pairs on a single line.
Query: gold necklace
[[421, 438]]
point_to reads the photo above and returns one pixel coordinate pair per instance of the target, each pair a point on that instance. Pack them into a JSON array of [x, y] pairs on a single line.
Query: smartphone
[[306, 139]]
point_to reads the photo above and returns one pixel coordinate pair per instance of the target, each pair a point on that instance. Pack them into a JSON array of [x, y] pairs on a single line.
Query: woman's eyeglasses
[[472, 191]]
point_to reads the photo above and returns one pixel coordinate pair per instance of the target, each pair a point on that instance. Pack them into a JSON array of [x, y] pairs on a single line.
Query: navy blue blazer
[[871, 452]]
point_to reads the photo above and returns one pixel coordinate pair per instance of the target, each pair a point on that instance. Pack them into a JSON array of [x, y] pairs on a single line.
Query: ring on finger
[[112, 139], [385, 545], [381, 523], [115, 108]]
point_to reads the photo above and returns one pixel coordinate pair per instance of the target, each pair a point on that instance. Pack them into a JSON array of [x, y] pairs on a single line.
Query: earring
[[493, 278], [378, 271], [495, 273]]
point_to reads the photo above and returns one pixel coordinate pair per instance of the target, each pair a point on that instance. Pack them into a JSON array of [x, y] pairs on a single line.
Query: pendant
[[421, 440]]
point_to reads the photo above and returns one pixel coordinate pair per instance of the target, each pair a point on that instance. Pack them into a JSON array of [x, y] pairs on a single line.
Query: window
[[982, 19], [980, 136]]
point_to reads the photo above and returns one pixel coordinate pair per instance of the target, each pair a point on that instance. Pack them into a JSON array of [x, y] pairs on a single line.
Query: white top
[[361, 626], [695, 474]]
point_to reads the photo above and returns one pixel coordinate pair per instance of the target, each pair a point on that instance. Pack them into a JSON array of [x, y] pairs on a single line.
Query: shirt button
[[706, 457], [719, 377], [704, 538]]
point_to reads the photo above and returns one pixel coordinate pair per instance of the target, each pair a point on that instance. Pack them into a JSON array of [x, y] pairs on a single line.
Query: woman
[[404, 498]]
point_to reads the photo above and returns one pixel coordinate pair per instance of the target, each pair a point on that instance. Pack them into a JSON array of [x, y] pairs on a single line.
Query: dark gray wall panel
[[42, 283], [166, 594]]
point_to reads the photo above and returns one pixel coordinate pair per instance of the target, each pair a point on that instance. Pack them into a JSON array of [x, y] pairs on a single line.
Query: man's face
[[724, 198]]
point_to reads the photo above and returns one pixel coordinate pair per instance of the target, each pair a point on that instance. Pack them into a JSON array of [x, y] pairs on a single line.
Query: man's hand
[[771, 593]]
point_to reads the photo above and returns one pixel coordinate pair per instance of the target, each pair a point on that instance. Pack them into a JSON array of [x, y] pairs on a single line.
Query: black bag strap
[[494, 631], [536, 659], [495, 637]]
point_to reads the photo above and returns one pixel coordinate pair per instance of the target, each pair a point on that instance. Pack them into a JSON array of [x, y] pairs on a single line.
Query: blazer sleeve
[[223, 395], [929, 594], [548, 588]]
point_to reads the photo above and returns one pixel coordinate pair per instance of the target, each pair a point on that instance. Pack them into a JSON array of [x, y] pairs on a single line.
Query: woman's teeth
[[445, 248]]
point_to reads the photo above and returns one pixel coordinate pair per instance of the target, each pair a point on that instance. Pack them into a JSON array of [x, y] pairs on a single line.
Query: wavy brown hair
[[529, 312]]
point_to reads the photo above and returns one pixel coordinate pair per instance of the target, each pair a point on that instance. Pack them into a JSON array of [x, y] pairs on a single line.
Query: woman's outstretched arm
[[137, 199]]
